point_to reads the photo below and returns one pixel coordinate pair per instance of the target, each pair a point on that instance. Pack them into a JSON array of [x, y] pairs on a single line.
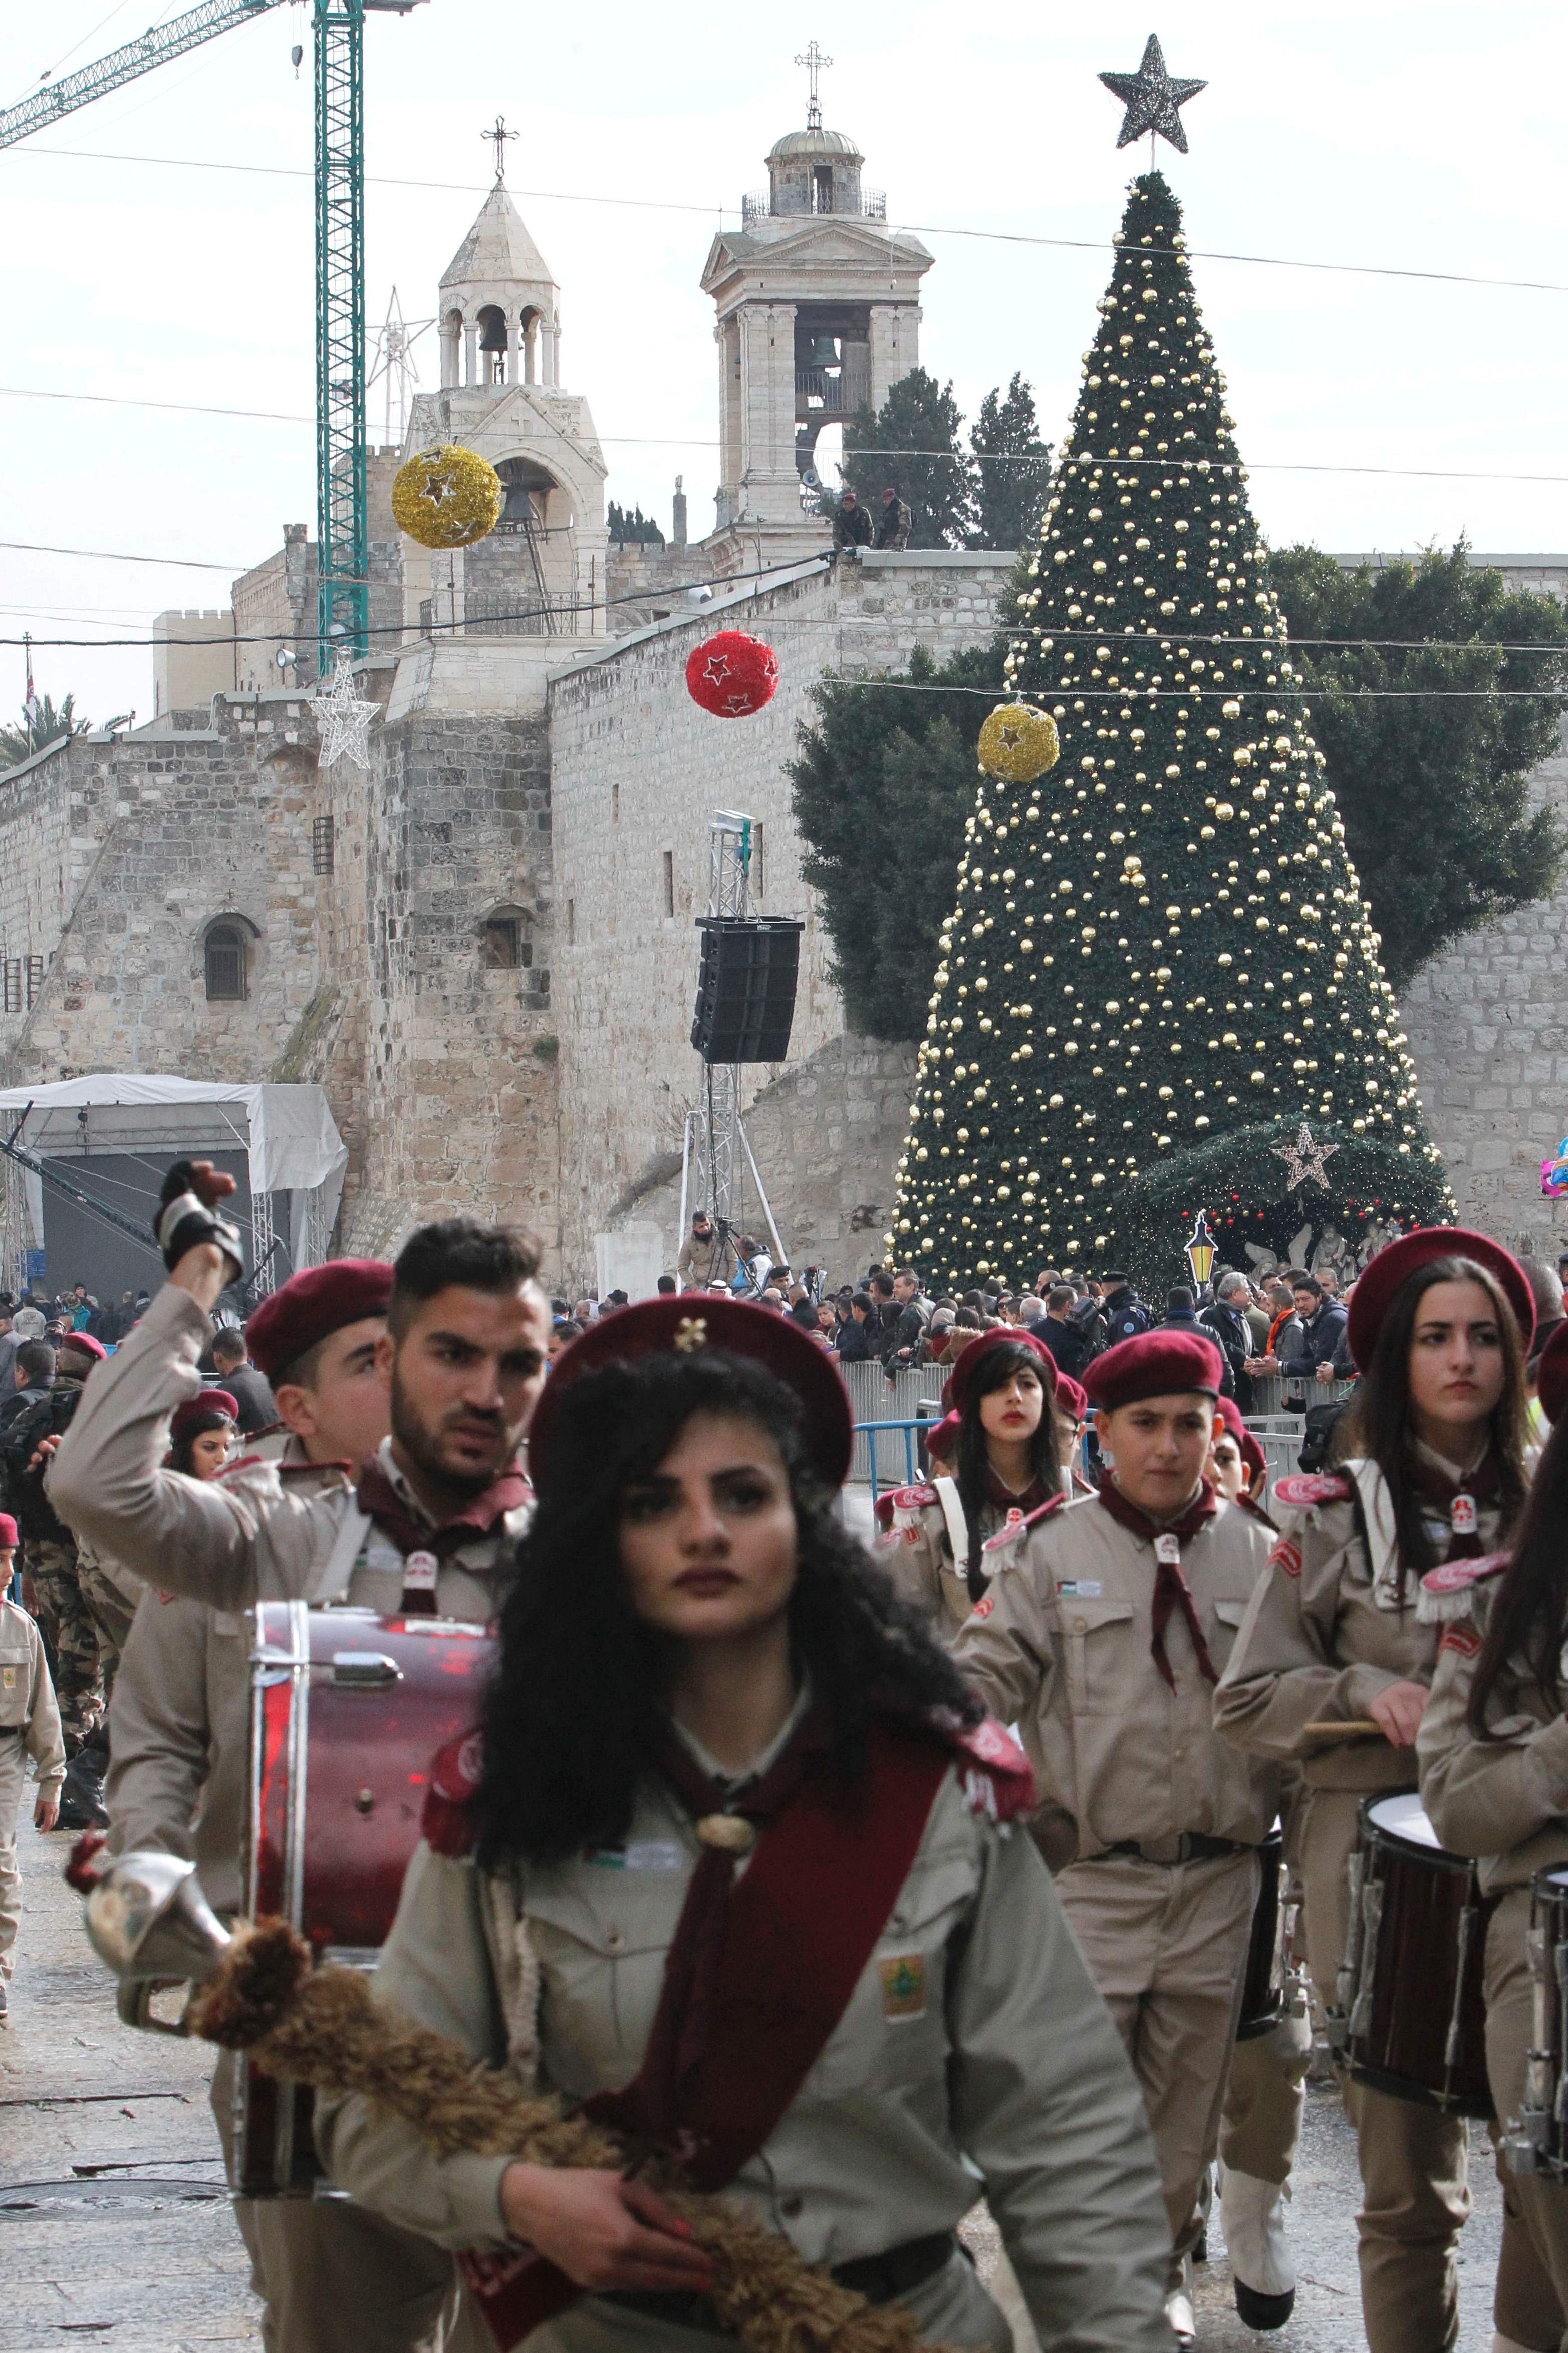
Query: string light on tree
[[1159, 964]]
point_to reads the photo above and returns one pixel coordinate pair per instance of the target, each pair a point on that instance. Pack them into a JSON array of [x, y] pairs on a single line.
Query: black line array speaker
[[745, 990]]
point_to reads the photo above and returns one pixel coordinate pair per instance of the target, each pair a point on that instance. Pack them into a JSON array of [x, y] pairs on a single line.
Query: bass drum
[[347, 1713], [1536, 2140], [1411, 1980]]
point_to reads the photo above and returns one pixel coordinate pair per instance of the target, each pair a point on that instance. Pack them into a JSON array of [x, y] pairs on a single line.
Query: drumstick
[[1346, 1727]]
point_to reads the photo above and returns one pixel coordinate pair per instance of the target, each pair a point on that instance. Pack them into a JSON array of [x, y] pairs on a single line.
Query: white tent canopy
[[287, 1133]]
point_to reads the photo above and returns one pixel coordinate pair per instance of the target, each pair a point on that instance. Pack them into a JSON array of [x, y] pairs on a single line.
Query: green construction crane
[[343, 547]]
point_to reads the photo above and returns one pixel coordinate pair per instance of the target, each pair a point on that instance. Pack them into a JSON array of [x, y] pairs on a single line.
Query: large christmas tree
[[1161, 966]]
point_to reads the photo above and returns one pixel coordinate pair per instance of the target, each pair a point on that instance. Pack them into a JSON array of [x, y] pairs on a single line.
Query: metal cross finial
[[500, 135], [812, 60]]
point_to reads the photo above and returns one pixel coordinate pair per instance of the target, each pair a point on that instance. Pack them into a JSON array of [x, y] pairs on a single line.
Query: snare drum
[[347, 1711], [1263, 1996], [1536, 2140], [1412, 2015]]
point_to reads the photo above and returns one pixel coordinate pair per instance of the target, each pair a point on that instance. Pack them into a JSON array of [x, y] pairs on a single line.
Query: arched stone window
[[492, 344], [506, 943], [225, 959]]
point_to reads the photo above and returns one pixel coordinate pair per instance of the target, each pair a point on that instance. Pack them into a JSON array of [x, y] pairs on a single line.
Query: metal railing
[[842, 392], [758, 207]]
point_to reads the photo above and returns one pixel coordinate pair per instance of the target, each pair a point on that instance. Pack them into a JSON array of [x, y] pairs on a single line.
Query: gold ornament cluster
[[1018, 743], [446, 497]]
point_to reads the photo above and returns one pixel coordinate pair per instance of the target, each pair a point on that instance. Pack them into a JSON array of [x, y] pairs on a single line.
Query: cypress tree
[[1160, 966]]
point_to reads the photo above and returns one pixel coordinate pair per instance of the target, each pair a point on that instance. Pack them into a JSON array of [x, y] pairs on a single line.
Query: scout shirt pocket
[[15, 1675], [601, 1928], [1094, 1635], [893, 2033], [1227, 1616]]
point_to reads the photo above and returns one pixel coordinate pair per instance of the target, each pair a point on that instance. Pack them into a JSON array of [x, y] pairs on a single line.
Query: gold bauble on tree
[[446, 497], [1019, 743]]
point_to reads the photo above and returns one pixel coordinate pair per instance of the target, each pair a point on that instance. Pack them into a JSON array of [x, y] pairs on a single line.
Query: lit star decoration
[[1160, 963], [1304, 1159], [1151, 99], [342, 721]]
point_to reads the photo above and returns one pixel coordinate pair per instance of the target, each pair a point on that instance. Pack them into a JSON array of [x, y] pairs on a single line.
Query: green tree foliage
[[1162, 942], [47, 725], [1432, 790], [883, 782], [635, 529], [1012, 469], [919, 420]]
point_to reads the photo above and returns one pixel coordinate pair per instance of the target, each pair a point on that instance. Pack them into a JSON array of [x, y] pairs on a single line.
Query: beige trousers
[[333, 2278], [1265, 2101], [1541, 2201], [1414, 2161], [13, 1784], [1166, 1945]]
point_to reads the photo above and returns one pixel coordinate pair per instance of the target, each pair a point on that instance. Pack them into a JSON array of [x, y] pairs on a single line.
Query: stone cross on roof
[[812, 60]]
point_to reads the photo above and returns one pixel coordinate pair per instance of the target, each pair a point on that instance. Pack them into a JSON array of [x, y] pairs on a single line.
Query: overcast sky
[[1392, 132]]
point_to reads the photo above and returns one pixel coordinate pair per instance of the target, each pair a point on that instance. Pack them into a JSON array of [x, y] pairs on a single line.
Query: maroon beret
[[965, 1365], [203, 1412], [1155, 1364], [9, 1536], [1551, 1374], [1072, 1397], [311, 1306], [1373, 1293], [941, 1436], [1252, 1454], [85, 1345], [664, 1327]]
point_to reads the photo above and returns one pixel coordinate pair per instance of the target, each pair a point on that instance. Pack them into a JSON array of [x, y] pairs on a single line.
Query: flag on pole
[[30, 701]]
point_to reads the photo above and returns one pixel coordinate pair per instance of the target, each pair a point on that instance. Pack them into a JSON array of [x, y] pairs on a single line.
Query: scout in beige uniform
[[1003, 1461], [1335, 1632], [869, 2052], [1500, 1792], [29, 1726], [430, 1520], [1102, 1635]]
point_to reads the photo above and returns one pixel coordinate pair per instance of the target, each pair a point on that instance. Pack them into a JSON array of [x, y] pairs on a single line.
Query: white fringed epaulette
[[1448, 1593]]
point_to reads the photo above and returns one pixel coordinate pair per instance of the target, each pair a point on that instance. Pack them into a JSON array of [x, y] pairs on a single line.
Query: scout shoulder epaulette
[[1448, 1593], [1300, 1489], [455, 1771], [1012, 1529], [903, 1499], [993, 1773]]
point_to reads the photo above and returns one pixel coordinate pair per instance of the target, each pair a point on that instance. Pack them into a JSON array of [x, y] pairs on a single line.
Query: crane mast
[[343, 544]]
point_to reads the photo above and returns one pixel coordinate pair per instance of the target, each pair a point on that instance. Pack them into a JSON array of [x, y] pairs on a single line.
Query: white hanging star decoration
[[1304, 1159], [342, 721]]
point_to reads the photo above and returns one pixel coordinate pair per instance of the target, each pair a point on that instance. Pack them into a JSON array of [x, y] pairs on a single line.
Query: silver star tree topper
[[1151, 99], [342, 720], [1304, 1159]]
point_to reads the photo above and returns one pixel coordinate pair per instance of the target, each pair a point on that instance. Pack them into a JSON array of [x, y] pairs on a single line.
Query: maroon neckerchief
[[1456, 1500], [379, 1501], [1003, 1499], [1170, 1588], [761, 1970]]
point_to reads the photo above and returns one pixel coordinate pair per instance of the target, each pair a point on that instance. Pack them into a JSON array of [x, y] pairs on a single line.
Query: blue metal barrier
[[911, 1455]]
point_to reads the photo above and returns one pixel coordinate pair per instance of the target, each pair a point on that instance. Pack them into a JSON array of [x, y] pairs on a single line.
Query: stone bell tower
[[818, 316]]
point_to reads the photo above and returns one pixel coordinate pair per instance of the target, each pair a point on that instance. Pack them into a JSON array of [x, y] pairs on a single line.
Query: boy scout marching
[[1167, 1659]]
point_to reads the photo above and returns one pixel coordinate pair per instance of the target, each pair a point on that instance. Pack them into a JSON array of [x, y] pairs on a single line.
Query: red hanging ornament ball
[[732, 674]]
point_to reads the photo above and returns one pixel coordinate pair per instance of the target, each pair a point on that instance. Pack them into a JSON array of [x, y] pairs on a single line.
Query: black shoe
[[1260, 2311], [82, 1798]]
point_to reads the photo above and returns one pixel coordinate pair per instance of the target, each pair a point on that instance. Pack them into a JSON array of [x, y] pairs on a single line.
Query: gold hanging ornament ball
[[1018, 743], [448, 497]]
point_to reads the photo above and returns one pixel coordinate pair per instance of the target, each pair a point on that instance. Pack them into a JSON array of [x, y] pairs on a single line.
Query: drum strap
[[957, 1526], [332, 1580]]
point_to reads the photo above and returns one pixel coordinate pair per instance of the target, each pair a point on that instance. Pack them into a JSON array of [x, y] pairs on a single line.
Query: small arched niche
[[228, 954]]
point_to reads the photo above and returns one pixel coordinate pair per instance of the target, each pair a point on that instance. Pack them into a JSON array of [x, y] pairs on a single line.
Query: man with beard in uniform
[[180, 1723], [429, 1523]]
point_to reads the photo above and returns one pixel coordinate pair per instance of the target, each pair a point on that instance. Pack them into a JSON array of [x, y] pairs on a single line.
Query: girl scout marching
[[745, 1863]]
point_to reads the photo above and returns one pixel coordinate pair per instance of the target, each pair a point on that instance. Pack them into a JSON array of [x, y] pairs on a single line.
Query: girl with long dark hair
[[1002, 1460], [731, 1869], [1440, 1324], [201, 1434], [1493, 1749]]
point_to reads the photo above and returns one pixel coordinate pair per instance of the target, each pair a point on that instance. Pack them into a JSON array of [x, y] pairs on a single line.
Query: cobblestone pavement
[[114, 2227]]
